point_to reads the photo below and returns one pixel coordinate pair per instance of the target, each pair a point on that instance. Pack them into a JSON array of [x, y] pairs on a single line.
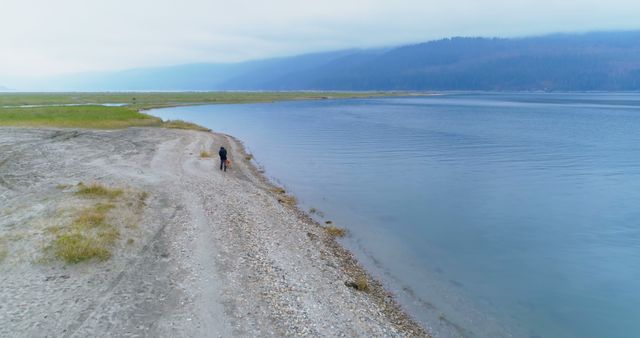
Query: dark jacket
[[223, 154]]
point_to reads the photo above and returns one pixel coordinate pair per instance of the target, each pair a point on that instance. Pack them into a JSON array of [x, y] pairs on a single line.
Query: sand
[[211, 254]]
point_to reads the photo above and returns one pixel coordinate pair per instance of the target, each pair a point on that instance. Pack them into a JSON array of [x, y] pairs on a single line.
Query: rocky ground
[[211, 253]]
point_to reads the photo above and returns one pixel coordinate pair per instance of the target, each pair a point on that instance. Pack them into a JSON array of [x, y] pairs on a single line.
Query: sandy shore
[[211, 254]]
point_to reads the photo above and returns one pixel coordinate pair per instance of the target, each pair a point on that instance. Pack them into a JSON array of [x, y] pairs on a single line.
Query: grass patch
[[205, 154], [96, 117], [362, 284], [179, 124], [76, 247], [97, 190], [90, 218], [92, 233], [334, 231], [249, 157], [89, 236]]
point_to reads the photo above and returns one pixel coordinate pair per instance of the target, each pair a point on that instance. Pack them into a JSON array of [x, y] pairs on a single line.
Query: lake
[[488, 215]]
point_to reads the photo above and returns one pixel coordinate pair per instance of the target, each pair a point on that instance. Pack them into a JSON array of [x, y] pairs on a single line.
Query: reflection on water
[[487, 214]]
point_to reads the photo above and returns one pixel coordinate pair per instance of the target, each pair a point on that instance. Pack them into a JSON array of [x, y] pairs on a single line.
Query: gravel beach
[[210, 254]]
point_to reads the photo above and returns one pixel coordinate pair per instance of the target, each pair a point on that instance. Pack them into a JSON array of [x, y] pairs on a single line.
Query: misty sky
[[44, 37]]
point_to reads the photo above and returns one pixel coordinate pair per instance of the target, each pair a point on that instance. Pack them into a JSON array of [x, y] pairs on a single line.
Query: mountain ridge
[[556, 62]]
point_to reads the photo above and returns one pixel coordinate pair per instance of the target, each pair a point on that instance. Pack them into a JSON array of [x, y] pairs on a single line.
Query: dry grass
[[179, 124], [334, 231], [3, 250], [97, 190], [93, 231], [283, 198], [90, 218], [142, 198], [205, 154], [288, 200], [75, 248], [89, 236], [279, 190], [362, 284]]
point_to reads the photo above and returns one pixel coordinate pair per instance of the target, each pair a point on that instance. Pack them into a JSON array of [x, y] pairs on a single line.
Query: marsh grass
[[179, 124], [95, 117], [139, 100], [89, 113], [334, 231]]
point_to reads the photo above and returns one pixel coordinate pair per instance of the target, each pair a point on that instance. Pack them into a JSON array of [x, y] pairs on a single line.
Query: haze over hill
[[560, 62]]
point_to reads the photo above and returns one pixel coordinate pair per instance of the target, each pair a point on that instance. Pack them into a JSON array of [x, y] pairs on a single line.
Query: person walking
[[223, 158]]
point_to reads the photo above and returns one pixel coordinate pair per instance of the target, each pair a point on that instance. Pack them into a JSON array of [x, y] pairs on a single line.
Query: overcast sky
[[45, 37]]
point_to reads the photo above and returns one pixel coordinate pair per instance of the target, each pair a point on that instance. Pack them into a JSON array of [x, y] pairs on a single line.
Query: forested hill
[[561, 62]]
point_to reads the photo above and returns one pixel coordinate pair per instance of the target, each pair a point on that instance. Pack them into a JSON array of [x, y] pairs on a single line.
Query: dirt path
[[215, 254]]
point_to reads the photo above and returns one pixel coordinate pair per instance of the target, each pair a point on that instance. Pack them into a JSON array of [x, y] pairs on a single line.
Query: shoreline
[[379, 294], [212, 253]]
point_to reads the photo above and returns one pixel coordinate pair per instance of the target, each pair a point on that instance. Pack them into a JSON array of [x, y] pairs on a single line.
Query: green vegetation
[[97, 190], [88, 236], [163, 99], [94, 231], [75, 248], [97, 117], [90, 113], [179, 124]]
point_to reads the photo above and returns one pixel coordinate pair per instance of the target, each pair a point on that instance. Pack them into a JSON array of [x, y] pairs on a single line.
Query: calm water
[[487, 214]]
